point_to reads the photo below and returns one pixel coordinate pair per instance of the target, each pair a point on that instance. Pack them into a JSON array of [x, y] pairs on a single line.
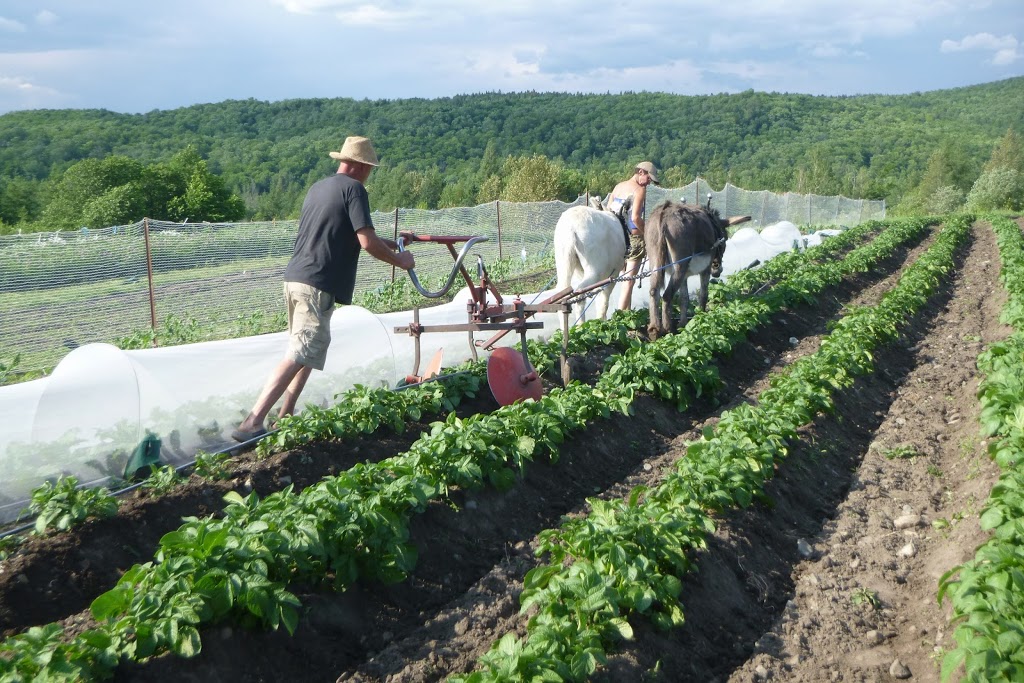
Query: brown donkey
[[682, 240]]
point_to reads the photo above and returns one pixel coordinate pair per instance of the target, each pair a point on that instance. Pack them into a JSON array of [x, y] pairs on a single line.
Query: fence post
[[764, 202], [149, 271], [808, 208], [396, 239], [497, 210]]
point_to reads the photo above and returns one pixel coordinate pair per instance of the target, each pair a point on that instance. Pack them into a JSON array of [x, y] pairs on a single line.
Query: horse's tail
[[566, 263]]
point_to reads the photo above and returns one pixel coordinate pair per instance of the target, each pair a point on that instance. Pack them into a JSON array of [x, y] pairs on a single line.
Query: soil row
[[464, 592]]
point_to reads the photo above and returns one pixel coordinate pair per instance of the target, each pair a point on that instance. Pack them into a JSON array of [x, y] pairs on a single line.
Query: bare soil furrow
[[464, 592], [452, 641]]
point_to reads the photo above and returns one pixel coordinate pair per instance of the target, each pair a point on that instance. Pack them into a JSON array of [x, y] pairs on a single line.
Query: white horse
[[590, 246]]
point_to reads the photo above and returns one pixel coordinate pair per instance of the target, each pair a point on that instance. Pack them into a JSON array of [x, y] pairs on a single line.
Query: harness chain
[[622, 278]]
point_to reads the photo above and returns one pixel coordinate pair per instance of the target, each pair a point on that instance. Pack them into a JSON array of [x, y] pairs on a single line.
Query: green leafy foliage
[[7, 366], [901, 453], [174, 330], [87, 181], [623, 561], [162, 480], [865, 597], [213, 466], [60, 505], [997, 189], [626, 556], [987, 593], [118, 190], [472, 149], [8, 544]]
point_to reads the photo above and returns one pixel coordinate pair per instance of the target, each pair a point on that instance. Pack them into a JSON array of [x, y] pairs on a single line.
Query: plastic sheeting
[[87, 417]]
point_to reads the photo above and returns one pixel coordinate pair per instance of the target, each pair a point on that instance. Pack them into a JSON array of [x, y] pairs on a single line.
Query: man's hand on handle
[[405, 260]]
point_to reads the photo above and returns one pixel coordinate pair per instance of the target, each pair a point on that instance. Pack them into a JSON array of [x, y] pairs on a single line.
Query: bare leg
[[280, 379], [291, 394], [626, 300]]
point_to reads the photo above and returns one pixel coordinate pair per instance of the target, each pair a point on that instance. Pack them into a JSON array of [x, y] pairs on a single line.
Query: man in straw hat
[[333, 227], [644, 174]]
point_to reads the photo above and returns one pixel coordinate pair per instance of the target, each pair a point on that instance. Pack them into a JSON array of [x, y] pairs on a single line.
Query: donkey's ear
[[595, 203]]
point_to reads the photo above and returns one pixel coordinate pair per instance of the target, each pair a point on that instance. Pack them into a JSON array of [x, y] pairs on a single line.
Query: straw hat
[[651, 170], [357, 149]]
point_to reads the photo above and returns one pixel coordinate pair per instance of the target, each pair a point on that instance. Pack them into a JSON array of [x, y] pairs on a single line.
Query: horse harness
[[625, 232], [620, 213]]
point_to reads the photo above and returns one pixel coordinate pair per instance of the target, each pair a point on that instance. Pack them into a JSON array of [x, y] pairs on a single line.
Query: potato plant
[[987, 592], [355, 525]]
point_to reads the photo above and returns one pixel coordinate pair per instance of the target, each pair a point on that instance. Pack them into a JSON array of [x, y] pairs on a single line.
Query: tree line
[[235, 160]]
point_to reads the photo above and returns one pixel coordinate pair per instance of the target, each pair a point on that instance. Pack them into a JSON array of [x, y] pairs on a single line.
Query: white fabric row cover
[[100, 402]]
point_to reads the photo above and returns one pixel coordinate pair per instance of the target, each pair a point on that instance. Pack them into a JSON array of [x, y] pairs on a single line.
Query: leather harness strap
[[625, 229]]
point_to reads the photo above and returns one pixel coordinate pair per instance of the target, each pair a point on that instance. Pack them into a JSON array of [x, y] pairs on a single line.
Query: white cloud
[[307, 6], [11, 25], [474, 7], [369, 15], [833, 21], [46, 17], [510, 62], [20, 85], [980, 41], [17, 92], [521, 67], [1004, 57], [345, 10], [129, 56], [1005, 49], [50, 61], [747, 70]]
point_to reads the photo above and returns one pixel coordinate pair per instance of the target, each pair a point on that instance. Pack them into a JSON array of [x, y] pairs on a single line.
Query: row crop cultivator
[[510, 374]]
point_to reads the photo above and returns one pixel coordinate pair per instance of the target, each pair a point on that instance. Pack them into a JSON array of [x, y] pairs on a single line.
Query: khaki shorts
[[309, 324], [636, 251]]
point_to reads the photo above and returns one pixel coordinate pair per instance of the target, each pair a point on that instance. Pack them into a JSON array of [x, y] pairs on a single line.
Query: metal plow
[[510, 374]]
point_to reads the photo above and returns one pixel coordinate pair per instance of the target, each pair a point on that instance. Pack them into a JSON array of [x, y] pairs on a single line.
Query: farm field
[[831, 577]]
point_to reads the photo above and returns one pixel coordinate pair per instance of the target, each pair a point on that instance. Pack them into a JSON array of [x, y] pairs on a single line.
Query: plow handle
[[404, 237]]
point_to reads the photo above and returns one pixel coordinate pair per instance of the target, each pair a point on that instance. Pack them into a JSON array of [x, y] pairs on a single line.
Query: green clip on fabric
[[147, 453]]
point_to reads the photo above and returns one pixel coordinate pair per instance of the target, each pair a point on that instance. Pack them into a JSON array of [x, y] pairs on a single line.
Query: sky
[[136, 56]]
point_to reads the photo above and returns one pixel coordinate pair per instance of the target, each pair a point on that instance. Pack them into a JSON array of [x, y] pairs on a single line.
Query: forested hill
[[870, 145]]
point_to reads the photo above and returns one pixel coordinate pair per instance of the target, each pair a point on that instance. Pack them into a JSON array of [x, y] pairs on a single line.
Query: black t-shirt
[[326, 247]]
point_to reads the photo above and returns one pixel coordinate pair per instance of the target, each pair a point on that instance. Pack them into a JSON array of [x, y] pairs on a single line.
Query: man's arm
[[384, 250]]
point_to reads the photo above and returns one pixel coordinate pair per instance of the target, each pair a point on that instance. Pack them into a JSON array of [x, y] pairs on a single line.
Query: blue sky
[[141, 55]]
